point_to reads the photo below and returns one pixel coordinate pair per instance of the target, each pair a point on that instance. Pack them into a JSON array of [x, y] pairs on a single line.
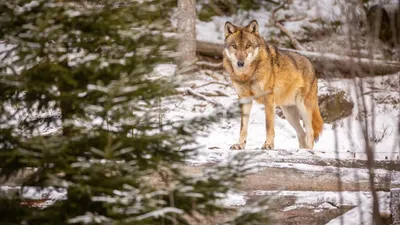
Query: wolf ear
[[252, 27], [229, 29]]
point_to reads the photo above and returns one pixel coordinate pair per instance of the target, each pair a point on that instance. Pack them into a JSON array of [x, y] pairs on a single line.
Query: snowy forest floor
[[303, 186], [336, 167], [329, 184], [324, 185]]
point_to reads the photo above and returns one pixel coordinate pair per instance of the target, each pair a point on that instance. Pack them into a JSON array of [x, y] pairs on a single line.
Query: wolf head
[[242, 44]]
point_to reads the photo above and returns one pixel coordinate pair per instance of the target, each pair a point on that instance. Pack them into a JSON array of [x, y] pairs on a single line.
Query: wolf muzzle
[[240, 63]]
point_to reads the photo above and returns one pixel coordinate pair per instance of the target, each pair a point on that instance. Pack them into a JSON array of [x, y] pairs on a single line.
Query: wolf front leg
[[244, 124], [269, 105]]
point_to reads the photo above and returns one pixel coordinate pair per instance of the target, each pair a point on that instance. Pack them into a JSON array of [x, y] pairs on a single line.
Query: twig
[[213, 82], [215, 8], [295, 42], [293, 19], [210, 65], [273, 2], [276, 10], [200, 96], [221, 93], [278, 25], [218, 76], [211, 74], [214, 94], [248, 100]]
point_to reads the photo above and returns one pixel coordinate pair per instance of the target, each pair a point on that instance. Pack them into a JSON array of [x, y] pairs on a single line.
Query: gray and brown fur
[[274, 78]]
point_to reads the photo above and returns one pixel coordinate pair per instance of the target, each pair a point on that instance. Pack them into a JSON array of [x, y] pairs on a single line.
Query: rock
[[335, 105]]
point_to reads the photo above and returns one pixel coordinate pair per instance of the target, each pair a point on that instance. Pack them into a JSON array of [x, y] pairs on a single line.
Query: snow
[[341, 140], [89, 218], [28, 6], [324, 206], [334, 142], [320, 201], [326, 10], [234, 199], [163, 71], [160, 212], [362, 214], [73, 13], [49, 194], [337, 199]]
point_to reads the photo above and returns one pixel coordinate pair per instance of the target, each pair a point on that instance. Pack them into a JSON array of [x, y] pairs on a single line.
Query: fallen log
[[325, 64]]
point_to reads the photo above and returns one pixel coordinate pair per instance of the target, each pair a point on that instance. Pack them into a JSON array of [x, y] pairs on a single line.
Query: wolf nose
[[240, 64]]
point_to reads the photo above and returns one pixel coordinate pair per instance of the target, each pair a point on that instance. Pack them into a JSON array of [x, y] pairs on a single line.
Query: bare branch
[[278, 24], [209, 65], [295, 42], [215, 8], [273, 2], [190, 91], [213, 82]]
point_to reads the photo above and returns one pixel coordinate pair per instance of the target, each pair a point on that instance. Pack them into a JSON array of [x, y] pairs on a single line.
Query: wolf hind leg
[[293, 117], [306, 115]]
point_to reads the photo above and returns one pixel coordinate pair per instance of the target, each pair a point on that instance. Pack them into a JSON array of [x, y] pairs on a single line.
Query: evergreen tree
[[76, 104]]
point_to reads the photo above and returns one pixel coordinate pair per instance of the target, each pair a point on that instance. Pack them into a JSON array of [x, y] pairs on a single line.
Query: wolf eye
[[248, 45], [234, 46]]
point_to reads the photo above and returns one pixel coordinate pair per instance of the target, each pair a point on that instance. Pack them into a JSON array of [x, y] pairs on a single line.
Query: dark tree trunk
[[384, 23]]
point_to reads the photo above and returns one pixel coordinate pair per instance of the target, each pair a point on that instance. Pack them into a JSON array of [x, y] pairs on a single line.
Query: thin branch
[[215, 8], [279, 25], [213, 82], [295, 42], [293, 19], [210, 65], [277, 9], [190, 91], [211, 74], [214, 94], [273, 2]]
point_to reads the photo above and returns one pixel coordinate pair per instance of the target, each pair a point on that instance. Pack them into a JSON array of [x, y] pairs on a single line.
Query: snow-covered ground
[[343, 139], [48, 195], [361, 201], [377, 104]]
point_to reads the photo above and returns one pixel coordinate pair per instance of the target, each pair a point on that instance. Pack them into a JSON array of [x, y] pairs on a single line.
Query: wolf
[[273, 77]]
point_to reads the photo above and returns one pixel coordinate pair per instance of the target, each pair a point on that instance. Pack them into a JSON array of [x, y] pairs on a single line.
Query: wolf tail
[[317, 122]]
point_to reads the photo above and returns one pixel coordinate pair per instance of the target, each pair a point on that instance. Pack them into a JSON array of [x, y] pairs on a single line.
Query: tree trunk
[[395, 205], [384, 22], [187, 31]]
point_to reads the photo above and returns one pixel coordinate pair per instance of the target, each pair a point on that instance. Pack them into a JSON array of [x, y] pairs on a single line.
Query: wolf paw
[[267, 146], [238, 146]]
